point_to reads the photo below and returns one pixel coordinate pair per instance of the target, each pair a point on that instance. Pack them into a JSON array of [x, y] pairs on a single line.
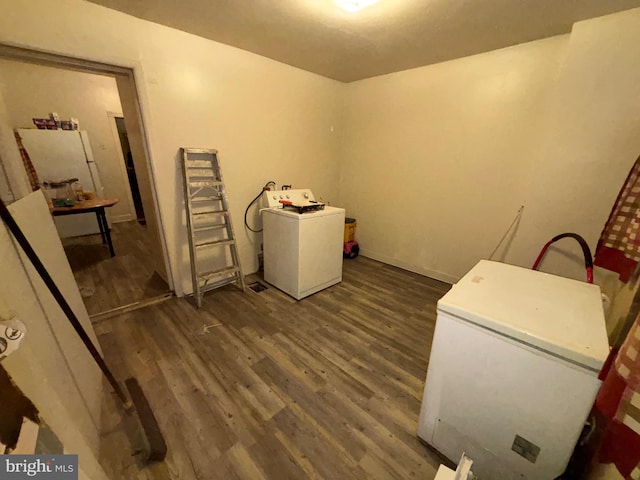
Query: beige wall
[[51, 367], [14, 183], [552, 125], [436, 159], [605, 472], [268, 120], [5, 190], [33, 90], [590, 141]]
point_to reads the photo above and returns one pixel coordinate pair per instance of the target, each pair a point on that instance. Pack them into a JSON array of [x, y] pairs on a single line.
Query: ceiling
[[392, 35]]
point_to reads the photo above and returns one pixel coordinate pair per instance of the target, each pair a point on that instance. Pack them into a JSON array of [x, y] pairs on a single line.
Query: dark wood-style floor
[[107, 282], [325, 388]]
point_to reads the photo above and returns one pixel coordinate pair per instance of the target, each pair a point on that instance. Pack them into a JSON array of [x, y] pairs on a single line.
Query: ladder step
[[205, 199], [210, 212], [205, 183], [217, 226], [209, 151], [216, 243], [206, 276], [201, 172], [209, 286], [199, 164]]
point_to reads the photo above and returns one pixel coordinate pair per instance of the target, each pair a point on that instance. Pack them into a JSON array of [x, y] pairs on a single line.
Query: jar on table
[[63, 194], [77, 191]]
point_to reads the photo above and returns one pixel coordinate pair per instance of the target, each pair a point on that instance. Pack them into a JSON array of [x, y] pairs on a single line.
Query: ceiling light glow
[[354, 5]]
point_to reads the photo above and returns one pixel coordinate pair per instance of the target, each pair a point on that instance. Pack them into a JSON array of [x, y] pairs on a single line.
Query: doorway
[[120, 131], [137, 273]]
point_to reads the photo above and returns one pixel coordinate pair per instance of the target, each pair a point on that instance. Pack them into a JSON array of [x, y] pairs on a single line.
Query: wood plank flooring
[[325, 388], [109, 282]]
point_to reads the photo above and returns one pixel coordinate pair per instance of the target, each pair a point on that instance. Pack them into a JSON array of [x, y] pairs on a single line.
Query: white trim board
[[443, 277], [125, 217]]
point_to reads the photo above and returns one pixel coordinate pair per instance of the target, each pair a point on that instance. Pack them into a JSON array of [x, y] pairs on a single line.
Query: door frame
[[123, 169], [130, 73]]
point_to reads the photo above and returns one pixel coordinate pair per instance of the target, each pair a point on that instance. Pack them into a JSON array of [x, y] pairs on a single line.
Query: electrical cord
[[246, 212], [518, 215]]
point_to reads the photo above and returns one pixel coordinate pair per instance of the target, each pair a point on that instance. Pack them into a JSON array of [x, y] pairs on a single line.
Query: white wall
[[552, 125], [33, 90], [51, 367], [436, 159], [268, 120], [590, 141]]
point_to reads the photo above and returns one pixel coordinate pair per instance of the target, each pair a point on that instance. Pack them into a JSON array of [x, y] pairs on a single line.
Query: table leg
[[107, 232], [99, 218]]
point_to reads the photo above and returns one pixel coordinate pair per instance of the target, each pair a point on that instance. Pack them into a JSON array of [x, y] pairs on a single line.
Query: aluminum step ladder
[[215, 261]]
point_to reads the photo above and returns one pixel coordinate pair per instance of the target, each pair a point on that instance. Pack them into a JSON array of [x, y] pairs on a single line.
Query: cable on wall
[[267, 186]]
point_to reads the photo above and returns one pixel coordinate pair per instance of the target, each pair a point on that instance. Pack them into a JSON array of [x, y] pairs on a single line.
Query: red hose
[[588, 259], [541, 254]]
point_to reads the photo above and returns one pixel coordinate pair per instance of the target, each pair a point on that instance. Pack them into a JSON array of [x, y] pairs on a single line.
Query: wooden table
[[96, 205]]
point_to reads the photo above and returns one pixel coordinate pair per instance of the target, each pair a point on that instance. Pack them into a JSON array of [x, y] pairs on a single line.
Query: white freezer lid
[[558, 315], [307, 215]]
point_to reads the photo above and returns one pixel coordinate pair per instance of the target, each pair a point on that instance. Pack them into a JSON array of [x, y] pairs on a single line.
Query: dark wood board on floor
[[107, 282], [326, 388]]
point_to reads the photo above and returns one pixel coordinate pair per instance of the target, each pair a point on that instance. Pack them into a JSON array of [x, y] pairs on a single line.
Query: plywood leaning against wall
[[51, 367]]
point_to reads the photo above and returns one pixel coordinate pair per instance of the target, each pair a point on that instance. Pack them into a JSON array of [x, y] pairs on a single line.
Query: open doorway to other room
[[118, 261]]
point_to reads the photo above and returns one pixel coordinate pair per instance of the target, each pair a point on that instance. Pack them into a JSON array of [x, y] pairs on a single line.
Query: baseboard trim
[[126, 217], [427, 272]]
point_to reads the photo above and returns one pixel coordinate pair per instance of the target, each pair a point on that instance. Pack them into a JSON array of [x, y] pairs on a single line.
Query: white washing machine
[[302, 241], [513, 371]]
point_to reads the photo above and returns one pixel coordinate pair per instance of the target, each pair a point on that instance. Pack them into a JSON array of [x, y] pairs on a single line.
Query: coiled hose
[[588, 259]]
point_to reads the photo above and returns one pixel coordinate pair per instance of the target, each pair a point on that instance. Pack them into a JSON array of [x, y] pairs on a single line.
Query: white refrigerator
[[513, 370], [63, 154]]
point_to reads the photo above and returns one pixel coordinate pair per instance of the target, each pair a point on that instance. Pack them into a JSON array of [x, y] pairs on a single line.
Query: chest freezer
[[513, 370]]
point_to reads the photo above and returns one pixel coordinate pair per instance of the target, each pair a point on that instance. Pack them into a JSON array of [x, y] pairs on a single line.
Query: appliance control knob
[[287, 196], [275, 197], [281, 196], [306, 195]]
